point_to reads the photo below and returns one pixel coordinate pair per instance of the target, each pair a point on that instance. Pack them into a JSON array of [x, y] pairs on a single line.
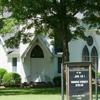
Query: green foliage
[[11, 79], [93, 73], [52, 14], [1, 23], [14, 40], [57, 81], [2, 72], [92, 15], [8, 25], [99, 75], [48, 16]]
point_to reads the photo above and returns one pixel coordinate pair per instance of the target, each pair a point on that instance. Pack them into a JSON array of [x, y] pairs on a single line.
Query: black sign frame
[[79, 81]]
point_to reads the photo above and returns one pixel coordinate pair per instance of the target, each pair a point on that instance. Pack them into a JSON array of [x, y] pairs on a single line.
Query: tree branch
[[78, 7]]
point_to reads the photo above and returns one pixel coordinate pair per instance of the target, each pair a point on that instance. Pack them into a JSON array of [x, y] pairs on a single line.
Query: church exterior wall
[[76, 47]]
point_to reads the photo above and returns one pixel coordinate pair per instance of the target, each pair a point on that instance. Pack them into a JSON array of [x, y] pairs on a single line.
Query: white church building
[[38, 61]]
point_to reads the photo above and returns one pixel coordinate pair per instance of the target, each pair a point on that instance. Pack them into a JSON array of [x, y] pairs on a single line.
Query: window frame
[[85, 54], [14, 64], [59, 64], [37, 52], [92, 54], [90, 41]]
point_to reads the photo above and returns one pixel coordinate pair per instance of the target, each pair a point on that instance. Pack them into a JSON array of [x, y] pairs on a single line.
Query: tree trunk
[[65, 55], [64, 33]]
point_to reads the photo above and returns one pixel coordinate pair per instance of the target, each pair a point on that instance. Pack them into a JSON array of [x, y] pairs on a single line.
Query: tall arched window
[[85, 54], [94, 55], [37, 52], [89, 52]]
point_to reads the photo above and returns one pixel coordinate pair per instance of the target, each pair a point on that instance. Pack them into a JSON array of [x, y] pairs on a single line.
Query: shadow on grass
[[24, 91], [38, 91]]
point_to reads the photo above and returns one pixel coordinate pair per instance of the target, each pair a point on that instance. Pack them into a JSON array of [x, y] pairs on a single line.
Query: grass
[[35, 93], [93, 92], [29, 91], [30, 94]]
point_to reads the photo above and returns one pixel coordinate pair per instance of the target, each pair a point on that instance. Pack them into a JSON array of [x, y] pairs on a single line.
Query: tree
[[49, 17]]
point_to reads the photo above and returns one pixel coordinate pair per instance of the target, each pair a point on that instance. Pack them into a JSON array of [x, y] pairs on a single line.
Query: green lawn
[[93, 92], [30, 94], [35, 93]]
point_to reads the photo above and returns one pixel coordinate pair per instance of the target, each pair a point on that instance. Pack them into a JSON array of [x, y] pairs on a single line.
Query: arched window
[[85, 54], [94, 55], [90, 54], [89, 40], [37, 52]]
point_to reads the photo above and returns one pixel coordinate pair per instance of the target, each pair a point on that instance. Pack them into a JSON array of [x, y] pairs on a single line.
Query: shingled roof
[[11, 51]]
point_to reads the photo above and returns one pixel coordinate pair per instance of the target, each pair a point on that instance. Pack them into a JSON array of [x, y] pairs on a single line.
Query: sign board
[[79, 81]]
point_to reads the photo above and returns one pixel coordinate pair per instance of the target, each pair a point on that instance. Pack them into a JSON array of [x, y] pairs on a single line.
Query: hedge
[[2, 72], [57, 81], [11, 79], [93, 73]]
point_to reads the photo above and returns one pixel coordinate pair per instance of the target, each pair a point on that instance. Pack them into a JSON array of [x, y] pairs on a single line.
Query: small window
[[37, 52], [89, 40], [59, 64], [14, 64], [14, 61]]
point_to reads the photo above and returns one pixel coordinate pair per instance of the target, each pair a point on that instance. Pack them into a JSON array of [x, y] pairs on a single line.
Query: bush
[[93, 73], [99, 75], [57, 81], [11, 79], [2, 72]]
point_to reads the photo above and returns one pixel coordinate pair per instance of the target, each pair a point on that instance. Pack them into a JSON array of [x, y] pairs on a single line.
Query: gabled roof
[[43, 41], [46, 44], [9, 51], [3, 44], [13, 51], [16, 51]]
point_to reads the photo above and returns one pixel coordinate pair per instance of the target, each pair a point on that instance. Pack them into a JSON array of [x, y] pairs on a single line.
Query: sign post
[[96, 82], [79, 81], [62, 81]]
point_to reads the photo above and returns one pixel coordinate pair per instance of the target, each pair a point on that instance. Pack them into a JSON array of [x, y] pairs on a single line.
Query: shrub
[[2, 72], [11, 79], [93, 73], [57, 81], [99, 75]]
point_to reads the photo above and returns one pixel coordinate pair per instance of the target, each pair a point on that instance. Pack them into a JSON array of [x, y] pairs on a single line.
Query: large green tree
[[51, 17]]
